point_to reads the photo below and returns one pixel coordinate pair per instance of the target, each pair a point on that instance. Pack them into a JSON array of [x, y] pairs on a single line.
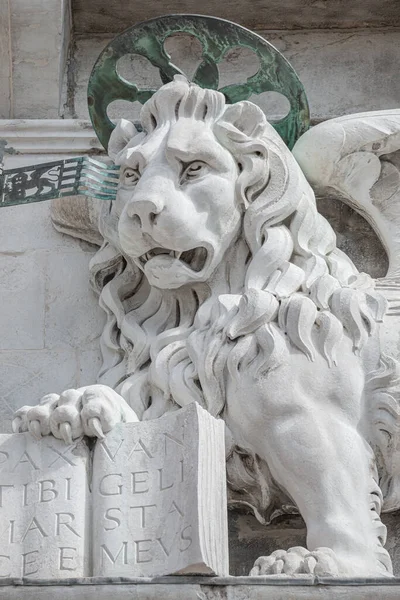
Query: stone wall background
[[347, 58], [50, 321]]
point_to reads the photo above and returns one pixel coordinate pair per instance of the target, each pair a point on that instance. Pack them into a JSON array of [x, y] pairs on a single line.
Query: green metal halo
[[216, 36]]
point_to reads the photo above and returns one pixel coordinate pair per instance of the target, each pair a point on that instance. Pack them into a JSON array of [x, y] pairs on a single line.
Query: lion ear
[[253, 174], [122, 134], [246, 118], [242, 130]]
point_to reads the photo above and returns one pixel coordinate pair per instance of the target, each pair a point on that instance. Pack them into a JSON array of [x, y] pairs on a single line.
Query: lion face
[[178, 213]]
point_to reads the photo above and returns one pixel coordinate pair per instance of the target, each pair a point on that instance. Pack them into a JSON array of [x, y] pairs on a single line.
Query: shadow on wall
[[355, 237], [248, 539]]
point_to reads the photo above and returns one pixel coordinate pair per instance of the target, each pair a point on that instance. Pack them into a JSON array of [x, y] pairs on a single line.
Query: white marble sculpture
[[224, 286]]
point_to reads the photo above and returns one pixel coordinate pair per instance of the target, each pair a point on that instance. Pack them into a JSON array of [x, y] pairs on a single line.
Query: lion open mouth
[[195, 259]]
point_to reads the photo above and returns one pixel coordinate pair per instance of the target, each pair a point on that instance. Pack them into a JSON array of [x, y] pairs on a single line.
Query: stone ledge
[[49, 136], [201, 588], [105, 16]]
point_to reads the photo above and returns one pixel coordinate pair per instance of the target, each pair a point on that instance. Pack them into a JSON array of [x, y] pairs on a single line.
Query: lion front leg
[[327, 468]]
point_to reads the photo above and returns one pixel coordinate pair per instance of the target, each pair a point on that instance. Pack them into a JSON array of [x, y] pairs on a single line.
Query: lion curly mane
[[288, 271]]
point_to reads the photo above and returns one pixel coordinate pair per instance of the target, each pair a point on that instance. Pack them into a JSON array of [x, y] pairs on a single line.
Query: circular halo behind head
[[217, 37]]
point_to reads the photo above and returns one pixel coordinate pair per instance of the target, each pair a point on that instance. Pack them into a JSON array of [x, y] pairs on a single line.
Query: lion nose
[[144, 212]]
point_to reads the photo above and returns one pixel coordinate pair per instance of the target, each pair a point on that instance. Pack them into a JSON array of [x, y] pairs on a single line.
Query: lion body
[[223, 285], [277, 339]]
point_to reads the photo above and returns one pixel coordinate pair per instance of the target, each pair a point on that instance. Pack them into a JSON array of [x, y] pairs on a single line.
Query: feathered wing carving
[[357, 158], [78, 216]]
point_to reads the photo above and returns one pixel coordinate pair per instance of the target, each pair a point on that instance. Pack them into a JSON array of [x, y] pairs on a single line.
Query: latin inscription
[[151, 501], [43, 507], [145, 501]]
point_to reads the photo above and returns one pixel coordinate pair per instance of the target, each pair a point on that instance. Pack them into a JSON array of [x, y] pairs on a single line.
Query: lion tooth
[[172, 253], [178, 254]]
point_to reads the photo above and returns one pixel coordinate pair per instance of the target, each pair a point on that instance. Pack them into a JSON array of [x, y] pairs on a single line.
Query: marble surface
[[159, 498], [224, 286], [204, 588], [157, 501], [44, 506]]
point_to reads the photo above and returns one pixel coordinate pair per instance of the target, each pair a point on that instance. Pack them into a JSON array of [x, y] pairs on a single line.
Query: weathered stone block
[[36, 45], [89, 363], [44, 502], [159, 498], [203, 588], [22, 294], [70, 297], [25, 376], [5, 65]]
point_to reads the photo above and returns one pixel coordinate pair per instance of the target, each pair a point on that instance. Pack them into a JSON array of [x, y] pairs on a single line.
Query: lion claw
[[297, 561], [16, 423], [34, 429], [95, 424], [92, 411], [66, 432], [309, 564], [277, 568]]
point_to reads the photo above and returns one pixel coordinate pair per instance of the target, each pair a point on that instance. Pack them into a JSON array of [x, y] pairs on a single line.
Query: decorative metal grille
[[217, 37], [81, 176]]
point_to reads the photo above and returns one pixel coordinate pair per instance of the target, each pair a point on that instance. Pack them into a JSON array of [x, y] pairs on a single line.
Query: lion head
[[190, 184]]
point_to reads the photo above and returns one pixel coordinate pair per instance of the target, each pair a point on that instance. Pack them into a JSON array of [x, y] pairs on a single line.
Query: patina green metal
[[217, 37], [81, 176]]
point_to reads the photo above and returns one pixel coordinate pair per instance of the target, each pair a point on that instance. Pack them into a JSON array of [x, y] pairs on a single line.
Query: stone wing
[[357, 159], [78, 216]]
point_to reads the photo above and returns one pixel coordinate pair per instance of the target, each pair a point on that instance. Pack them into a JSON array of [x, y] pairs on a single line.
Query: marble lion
[[223, 285]]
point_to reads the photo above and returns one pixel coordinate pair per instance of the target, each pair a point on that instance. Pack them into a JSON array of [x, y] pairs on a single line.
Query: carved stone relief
[[159, 498], [224, 287], [148, 500]]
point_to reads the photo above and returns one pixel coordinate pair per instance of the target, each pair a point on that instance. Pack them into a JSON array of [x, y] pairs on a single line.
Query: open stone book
[[149, 499]]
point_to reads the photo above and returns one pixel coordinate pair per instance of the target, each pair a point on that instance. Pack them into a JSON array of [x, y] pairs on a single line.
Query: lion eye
[[193, 170], [130, 176]]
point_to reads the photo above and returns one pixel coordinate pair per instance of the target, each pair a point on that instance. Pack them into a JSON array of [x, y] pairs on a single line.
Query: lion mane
[[288, 281]]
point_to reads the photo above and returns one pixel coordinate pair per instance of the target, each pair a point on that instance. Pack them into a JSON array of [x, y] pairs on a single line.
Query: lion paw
[[297, 561], [91, 411]]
